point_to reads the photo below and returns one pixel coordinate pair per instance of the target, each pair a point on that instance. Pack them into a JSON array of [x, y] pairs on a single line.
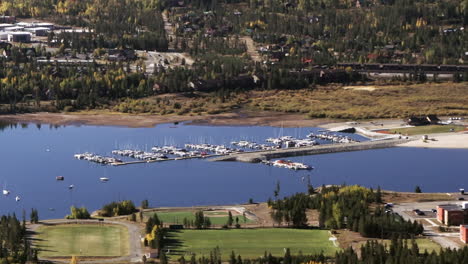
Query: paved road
[[443, 239], [134, 237]]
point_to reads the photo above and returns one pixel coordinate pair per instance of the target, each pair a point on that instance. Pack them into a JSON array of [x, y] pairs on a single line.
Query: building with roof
[[22, 37], [452, 214], [4, 25], [464, 233], [38, 31]]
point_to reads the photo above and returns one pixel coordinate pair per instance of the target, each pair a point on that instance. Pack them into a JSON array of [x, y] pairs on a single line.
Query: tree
[[378, 195], [162, 258], [277, 190], [230, 219], [417, 189], [144, 204]]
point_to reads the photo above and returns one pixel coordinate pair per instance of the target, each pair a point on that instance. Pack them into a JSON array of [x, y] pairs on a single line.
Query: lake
[[31, 156]]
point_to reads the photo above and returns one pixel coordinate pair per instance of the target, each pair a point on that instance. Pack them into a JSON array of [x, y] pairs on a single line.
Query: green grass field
[[250, 243], [217, 218], [419, 130], [83, 240], [423, 244]]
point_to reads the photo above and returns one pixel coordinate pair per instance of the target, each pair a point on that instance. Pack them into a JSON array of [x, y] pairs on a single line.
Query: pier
[[161, 160], [258, 156]]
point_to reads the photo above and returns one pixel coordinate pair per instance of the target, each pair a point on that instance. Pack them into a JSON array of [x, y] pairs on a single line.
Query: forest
[[345, 207], [15, 246], [294, 40]]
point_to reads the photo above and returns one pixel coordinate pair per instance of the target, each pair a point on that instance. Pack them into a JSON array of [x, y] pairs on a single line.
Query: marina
[[195, 181], [222, 152]]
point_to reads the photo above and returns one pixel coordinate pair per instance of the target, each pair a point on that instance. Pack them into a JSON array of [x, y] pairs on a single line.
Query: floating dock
[[161, 160]]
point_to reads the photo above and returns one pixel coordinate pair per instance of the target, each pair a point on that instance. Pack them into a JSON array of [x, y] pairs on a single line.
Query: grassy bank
[[420, 130], [83, 240], [251, 243], [383, 102]]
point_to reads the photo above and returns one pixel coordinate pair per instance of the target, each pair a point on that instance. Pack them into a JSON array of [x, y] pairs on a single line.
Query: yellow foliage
[[74, 260], [312, 262], [420, 22]]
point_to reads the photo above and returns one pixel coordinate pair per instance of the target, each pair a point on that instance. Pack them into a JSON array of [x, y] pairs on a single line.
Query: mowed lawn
[[216, 218], [83, 240], [251, 243], [432, 129]]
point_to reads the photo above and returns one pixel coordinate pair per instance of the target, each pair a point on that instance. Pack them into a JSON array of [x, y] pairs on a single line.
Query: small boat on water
[[104, 179], [59, 178], [17, 198], [291, 165], [6, 192], [71, 186]]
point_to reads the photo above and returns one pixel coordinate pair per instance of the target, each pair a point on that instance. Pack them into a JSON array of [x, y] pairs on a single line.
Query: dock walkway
[[258, 156]]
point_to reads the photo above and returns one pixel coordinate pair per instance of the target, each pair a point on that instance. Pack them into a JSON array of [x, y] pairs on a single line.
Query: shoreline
[[453, 140], [146, 121]]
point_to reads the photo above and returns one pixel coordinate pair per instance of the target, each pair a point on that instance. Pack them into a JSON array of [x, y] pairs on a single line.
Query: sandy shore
[[447, 140], [116, 119]]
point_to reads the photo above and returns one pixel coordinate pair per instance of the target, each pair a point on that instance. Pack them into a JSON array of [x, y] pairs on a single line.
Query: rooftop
[[450, 207]]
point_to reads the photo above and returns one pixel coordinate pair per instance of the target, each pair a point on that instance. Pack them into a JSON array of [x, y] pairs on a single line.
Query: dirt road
[[251, 49]]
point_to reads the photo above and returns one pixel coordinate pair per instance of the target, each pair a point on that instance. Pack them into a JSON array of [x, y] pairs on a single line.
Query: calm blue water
[[28, 170]]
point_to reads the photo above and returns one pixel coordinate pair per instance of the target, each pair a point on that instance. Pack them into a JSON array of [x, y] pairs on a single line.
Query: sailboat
[[17, 198]]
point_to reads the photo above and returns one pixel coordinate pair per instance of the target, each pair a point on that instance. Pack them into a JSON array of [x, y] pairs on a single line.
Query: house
[[417, 121], [38, 31], [423, 121], [121, 54], [433, 119], [452, 214], [159, 88], [7, 19], [464, 233], [3, 26], [22, 37]]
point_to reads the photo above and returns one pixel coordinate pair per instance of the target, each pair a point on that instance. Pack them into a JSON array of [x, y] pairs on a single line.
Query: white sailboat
[[17, 198]]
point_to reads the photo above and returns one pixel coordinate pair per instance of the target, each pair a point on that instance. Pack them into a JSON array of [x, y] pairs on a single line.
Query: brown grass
[[406, 197], [383, 102]]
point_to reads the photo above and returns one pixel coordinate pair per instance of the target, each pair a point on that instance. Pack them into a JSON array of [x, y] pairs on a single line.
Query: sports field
[[251, 243], [83, 240], [216, 217]]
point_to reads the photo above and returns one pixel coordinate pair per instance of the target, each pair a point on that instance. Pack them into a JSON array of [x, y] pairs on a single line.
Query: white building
[[3, 26]]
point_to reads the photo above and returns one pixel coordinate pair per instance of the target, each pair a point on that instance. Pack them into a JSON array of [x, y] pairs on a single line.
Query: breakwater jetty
[[258, 156]]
